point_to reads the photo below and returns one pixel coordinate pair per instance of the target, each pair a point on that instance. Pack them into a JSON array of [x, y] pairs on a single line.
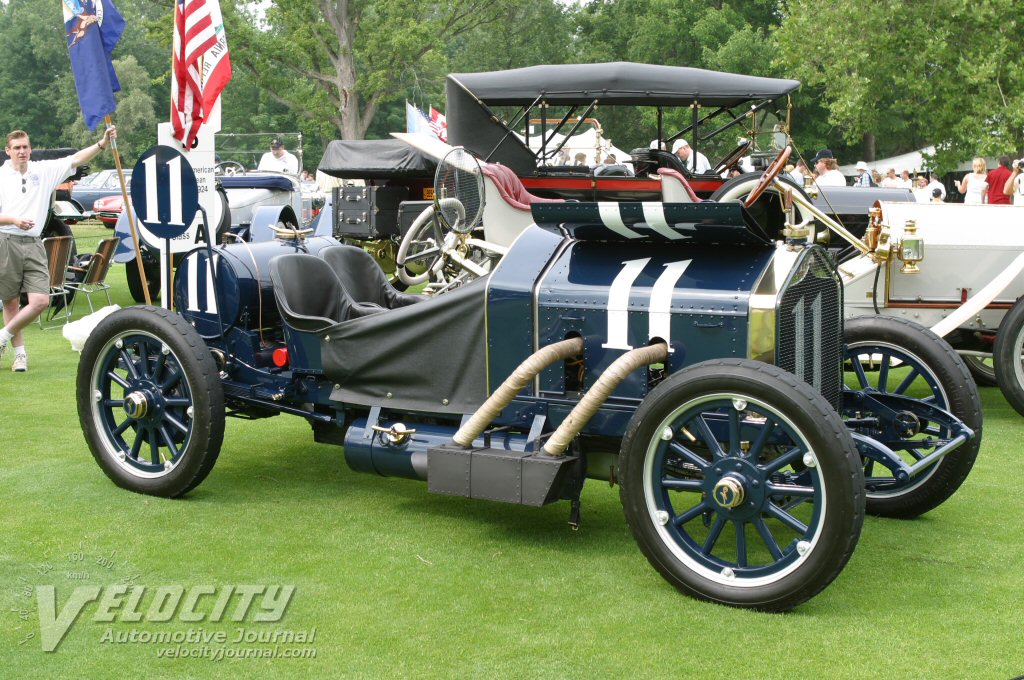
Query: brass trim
[[822, 217], [762, 329]]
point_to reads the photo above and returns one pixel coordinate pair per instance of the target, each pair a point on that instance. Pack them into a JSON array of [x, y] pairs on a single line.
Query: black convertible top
[[375, 159], [618, 82], [470, 96]]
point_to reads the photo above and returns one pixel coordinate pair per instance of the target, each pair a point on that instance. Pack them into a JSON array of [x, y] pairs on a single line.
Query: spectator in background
[[876, 177], [997, 181], [936, 184], [937, 195], [581, 159], [279, 160], [1014, 185], [694, 160], [863, 178], [922, 192], [974, 185], [905, 181], [890, 181], [799, 172], [827, 170]]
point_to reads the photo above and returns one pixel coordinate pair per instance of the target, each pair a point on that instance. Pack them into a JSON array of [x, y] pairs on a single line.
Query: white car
[[956, 269]]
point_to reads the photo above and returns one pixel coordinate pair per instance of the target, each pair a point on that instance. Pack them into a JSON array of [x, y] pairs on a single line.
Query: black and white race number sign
[[165, 193]]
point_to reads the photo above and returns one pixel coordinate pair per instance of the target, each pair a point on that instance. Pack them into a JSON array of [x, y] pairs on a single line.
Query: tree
[[718, 35], [37, 90], [337, 61], [913, 73], [27, 72]]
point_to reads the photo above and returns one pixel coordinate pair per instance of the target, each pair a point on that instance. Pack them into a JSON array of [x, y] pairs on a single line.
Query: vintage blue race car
[[691, 353]]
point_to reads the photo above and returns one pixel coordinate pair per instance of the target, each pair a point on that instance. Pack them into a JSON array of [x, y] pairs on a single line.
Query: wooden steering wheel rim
[[770, 174]]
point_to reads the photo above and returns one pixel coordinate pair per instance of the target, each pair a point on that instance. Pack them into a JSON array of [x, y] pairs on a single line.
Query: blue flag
[[93, 28]]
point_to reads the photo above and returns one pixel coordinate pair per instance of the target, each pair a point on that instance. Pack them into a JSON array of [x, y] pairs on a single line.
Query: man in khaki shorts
[[25, 190]]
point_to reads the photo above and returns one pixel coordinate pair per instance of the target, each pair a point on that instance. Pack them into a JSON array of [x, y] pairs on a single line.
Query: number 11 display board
[[165, 197]]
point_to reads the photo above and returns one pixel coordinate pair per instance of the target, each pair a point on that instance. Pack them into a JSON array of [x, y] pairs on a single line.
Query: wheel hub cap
[[136, 405], [729, 492]]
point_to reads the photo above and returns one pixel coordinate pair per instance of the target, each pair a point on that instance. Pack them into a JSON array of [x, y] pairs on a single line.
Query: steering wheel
[[431, 252], [732, 157], [229, 168], [769, 175]]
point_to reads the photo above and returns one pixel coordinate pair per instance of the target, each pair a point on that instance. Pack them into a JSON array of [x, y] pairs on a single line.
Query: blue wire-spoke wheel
[[741, 485], [150, 401], [896, 356]]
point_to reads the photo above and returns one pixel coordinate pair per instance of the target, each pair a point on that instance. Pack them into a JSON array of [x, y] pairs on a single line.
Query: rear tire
[[131, 273], [982, 370], [1006, 355]]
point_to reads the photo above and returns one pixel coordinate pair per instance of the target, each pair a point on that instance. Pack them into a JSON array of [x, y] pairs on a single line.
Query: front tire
[[907, 358], [150, 402], [724, 430]]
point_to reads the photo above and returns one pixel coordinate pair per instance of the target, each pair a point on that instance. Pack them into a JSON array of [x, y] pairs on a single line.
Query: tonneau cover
[[375, 159]]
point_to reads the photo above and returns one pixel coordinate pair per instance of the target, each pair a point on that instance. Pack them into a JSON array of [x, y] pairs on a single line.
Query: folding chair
[[58, 256], [94, 278]]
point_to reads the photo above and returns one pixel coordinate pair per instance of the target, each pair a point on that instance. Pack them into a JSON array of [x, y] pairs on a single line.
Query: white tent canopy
[[914, 162]]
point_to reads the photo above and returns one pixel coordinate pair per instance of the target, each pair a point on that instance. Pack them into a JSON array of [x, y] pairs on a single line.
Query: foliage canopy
[[879, 78]]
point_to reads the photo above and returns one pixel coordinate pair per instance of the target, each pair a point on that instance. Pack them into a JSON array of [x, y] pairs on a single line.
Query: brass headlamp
[[911, 250]]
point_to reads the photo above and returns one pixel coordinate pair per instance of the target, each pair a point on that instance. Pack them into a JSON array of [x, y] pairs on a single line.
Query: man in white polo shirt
[[278, 159], [696, 162], [26, 187]]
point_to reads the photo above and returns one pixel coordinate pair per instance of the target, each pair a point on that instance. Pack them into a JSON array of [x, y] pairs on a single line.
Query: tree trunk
[[868, 147]]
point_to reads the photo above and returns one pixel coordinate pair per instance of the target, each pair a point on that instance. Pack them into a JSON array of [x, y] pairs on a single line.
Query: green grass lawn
[[399, 582]]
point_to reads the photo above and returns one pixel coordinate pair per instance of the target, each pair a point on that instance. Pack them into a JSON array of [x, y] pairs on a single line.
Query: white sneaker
[[20, 364]]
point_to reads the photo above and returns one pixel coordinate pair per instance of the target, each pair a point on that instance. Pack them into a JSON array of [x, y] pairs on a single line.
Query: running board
[[520, 477]]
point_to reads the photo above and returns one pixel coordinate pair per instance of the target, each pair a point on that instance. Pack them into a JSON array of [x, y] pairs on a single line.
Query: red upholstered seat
[[678, 176], [511, 188]]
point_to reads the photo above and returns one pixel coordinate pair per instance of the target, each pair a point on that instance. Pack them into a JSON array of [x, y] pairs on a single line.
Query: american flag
[[200, 66], [438, 124]]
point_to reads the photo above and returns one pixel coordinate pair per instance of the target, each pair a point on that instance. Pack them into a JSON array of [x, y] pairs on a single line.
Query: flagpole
[[128, 209]]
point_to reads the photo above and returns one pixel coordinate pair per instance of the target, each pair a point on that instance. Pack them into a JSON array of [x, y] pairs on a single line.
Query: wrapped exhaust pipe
[[599, 393], [520, 378]]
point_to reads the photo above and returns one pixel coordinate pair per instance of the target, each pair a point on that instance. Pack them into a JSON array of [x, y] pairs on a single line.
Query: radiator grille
[[810, 325]]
